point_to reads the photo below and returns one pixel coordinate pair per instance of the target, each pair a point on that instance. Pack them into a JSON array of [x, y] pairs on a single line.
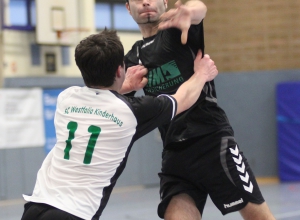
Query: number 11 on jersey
[[95, 132]]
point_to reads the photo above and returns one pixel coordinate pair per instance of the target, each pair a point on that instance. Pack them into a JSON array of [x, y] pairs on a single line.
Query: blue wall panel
[[288, 130]]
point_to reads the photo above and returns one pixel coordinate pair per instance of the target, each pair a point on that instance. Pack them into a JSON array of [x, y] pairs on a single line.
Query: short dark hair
[[98, 57]]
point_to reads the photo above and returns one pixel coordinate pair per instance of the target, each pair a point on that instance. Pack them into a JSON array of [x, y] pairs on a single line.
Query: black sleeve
[[130, 94], [152, 112], [195, 37]]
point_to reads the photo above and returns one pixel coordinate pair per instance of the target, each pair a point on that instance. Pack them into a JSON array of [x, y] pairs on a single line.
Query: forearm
[[189, 92], [197, 9]]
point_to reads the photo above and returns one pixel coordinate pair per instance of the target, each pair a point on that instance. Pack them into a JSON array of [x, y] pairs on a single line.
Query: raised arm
[[188, 93], [182, 16]]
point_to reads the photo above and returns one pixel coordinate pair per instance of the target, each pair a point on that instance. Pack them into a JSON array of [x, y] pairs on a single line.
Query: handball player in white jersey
[[96, 127]]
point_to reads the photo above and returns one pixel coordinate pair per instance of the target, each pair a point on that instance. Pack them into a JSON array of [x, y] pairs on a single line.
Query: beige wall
[[17, 59], [1, 59], [240, 35], [17, 46], [243, 35], [128, 39]]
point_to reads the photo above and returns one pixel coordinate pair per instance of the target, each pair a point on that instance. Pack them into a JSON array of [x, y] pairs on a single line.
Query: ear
[[118, 73], [128, 7]]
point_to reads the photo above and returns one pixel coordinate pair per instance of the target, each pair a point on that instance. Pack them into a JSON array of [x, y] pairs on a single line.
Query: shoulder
[[134, 47], [150, 112], [131, 58], [68, 92], [170, 33], [148, 106], [174, 32], [148, 103]]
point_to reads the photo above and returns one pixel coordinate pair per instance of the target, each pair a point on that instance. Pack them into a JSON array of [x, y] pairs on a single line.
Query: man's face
[[146, 11]]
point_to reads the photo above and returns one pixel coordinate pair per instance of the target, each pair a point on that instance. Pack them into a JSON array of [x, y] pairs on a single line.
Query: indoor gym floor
[[139, 203]]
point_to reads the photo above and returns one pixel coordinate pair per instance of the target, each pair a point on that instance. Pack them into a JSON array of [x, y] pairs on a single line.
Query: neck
[[148, 29]]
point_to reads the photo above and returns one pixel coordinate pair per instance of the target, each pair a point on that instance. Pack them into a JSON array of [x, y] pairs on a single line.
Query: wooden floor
[[139, 203]]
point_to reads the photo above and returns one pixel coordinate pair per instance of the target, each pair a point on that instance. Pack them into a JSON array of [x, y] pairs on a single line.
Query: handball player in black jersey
[[200, 155]]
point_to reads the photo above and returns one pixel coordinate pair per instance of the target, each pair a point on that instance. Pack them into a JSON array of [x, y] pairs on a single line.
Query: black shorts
[[41, 211], [211, 165]]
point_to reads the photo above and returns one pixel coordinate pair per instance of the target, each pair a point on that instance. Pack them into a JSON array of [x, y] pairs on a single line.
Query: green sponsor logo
[[163, 77]]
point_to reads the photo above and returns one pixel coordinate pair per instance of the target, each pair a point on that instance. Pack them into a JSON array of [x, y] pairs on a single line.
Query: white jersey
[[95, 131]]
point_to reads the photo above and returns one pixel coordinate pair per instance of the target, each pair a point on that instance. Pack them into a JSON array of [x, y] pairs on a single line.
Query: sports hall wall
[[256, 45]]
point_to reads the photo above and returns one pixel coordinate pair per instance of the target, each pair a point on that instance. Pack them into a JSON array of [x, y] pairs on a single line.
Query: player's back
[[94, 130]]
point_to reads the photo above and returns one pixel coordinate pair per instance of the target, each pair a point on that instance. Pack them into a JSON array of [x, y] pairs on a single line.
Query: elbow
[[183, 106]]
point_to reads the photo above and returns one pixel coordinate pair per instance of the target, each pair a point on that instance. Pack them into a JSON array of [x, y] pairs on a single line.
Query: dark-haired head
[[98, 58]]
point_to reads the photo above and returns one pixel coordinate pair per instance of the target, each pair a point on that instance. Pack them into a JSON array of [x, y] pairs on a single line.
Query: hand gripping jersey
[[95, 131], [169, 64]]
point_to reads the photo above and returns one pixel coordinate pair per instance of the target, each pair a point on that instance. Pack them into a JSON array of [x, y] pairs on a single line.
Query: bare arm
[[188, 93], [134, 79], [182, 16]]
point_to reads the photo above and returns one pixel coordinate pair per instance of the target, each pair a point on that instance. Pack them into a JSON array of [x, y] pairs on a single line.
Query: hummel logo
[[249, 189], [245, 178], [241, 168], [235, 151], [239, 160], [233, 203]]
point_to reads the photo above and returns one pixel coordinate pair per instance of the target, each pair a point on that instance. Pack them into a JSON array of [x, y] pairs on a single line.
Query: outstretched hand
[[206, 66], [178, 17], [134, 79]]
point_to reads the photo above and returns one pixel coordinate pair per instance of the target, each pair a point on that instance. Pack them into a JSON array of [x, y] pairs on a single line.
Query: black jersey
[[169, 64]]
